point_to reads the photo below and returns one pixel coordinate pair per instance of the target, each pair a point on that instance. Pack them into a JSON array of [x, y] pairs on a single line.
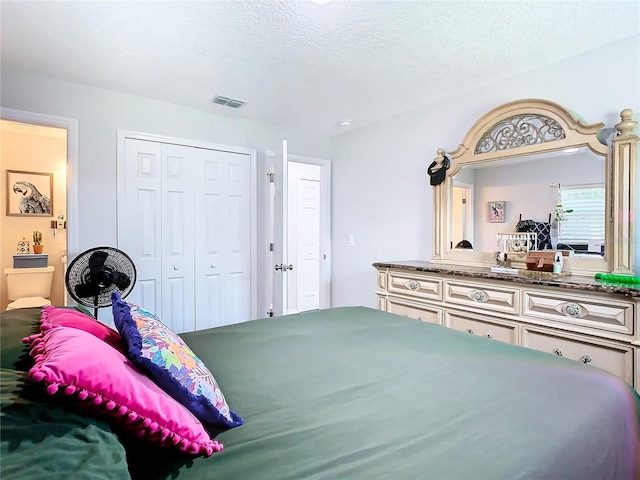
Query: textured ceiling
[[299, 63]]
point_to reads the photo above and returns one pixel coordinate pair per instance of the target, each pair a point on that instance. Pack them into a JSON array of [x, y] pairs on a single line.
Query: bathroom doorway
[[37, 146]]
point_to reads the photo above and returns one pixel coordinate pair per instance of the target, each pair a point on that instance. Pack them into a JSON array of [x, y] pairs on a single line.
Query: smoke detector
[[228, 101]]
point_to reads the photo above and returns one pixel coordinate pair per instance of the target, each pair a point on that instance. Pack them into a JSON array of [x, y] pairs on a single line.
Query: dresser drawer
[[417, 312], [615, 358], [414, 285], [483, 296], [482, 326], [595, 312]]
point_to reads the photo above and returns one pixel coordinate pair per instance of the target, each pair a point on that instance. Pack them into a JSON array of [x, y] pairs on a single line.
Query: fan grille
[[94, 274]]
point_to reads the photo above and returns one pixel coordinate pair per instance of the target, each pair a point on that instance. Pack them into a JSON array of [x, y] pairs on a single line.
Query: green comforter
[[355, 393]]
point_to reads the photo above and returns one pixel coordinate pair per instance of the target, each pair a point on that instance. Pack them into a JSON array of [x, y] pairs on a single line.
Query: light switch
[[352, 240]]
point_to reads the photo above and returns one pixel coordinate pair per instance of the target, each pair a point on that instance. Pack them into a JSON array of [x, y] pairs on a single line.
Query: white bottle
[[558, 263]]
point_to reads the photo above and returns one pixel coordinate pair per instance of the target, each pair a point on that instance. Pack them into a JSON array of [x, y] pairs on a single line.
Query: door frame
[[325, 226], [71, 126], [122, 135]]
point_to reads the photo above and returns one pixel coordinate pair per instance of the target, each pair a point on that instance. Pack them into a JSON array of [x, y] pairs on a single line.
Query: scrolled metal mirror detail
[[517, 130]]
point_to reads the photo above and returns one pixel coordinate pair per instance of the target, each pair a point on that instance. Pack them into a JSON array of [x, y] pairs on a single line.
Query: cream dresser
[[575, 317]]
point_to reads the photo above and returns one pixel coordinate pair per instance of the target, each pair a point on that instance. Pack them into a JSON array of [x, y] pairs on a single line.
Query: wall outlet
[[352, 240]]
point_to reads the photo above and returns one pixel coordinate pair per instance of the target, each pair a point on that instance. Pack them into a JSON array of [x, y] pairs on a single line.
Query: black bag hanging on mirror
[[438, 168]]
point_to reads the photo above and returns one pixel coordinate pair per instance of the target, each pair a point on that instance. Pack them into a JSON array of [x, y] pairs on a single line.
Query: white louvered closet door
[[223, 239]]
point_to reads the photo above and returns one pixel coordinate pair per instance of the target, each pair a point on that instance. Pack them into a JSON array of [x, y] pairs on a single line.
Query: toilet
[[28, 287]]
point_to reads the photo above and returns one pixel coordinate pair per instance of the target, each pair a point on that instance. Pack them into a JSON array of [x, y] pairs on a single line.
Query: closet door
[[223, 239], [140, 219], [179, 167]]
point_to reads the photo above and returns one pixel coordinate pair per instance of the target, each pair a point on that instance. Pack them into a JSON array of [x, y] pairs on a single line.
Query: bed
[[346, 393]]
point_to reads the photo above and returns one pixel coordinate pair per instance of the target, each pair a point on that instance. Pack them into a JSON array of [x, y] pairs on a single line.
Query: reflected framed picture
[[496, 212], [29, 194]]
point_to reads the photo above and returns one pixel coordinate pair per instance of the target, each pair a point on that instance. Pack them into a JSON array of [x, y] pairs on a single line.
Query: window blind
[[586, 222]]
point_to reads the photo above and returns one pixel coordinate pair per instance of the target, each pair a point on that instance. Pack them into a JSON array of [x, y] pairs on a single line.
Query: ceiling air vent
[[228, 101]]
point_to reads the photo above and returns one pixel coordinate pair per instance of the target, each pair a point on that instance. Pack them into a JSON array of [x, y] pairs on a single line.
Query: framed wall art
[[496, 212], [29, 194]]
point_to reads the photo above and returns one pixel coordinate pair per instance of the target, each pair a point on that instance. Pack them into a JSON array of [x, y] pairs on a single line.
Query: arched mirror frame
[[620, 164]]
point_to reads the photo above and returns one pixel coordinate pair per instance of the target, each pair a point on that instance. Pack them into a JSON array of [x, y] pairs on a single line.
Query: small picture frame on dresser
[[496, 211]]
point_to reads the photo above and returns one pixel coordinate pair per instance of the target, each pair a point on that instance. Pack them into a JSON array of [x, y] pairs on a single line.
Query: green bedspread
[[43, 438], [355, 393]]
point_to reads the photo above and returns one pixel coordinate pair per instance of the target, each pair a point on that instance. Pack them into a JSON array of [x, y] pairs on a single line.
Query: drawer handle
[[470, 330], [572, 310], [489, 335], [586, 359], [413, 285], [479, 296], [557, 351]]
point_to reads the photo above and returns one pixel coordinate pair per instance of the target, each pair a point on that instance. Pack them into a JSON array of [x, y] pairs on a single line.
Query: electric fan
[[95, 273]]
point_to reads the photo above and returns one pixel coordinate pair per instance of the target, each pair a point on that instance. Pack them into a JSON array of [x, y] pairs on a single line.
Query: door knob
[[282, 267]]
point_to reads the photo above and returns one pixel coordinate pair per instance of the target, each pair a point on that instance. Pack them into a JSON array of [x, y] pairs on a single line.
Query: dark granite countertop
[[525, 277]]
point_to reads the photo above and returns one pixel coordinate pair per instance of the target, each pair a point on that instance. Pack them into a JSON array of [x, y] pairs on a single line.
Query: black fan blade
[[96, 261], [121, 280], [86, 290]]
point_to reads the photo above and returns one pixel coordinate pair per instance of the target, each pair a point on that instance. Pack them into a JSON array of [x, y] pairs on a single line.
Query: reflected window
[[586, 222]]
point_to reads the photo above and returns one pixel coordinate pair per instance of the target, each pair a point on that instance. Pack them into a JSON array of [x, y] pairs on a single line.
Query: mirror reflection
[[560, 195]]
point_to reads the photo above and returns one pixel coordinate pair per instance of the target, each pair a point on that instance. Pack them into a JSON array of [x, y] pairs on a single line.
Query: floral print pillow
[[159, 352]]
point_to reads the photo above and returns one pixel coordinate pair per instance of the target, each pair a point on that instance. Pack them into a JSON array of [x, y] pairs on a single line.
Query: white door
[[281, 264], [300, 285], [303, 281], [178, 212], [140, 219], [185, 217], [222, 233]]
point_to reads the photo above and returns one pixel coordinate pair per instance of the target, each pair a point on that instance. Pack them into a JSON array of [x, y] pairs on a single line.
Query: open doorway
[[462, 215], [46, 146], [299, 261]]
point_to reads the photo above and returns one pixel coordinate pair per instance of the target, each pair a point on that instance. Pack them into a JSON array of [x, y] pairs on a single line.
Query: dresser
[[575, 317]]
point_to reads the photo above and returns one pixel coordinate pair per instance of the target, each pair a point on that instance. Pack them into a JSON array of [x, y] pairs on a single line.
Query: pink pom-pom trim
[[151, 428]]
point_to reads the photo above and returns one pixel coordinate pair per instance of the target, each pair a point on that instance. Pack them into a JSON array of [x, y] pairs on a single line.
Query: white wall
[[381, 193], [100, 113]]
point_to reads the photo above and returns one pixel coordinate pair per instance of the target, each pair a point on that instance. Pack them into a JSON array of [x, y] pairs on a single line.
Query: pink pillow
[[51, 317], [54, 317], [73, 362]]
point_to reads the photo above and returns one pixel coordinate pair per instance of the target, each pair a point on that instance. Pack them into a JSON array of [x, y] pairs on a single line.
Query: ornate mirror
[[532, 162]]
